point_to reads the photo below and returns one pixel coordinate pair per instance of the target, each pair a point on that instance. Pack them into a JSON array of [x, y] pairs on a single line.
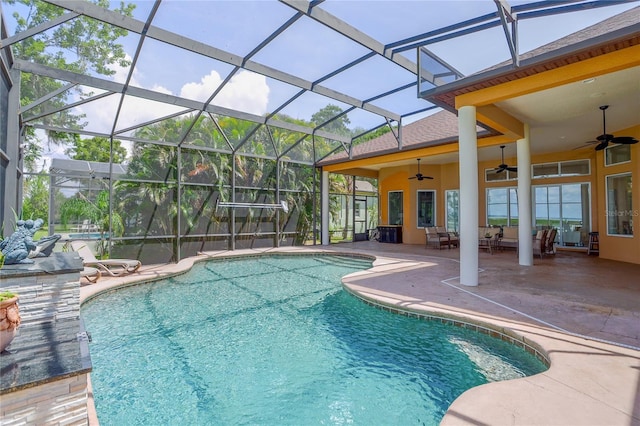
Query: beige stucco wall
[[623, 248]]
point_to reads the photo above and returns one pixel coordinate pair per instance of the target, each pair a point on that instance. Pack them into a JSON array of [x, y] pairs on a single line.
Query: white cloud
[[246, 91], [202, 90]]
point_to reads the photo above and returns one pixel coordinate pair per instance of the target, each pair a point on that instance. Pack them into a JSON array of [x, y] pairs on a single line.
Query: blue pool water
[[276, 341]]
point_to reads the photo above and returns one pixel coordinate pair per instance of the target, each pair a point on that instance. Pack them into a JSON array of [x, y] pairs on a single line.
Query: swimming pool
[[275, 340], [89, 236]]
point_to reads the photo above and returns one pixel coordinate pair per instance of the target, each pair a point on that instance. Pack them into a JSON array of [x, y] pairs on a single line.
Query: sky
[[308, 50]]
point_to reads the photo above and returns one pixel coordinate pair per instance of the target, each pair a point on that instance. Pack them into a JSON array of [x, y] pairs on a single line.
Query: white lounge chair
[[90, 274], [86, 227], [113, 267]]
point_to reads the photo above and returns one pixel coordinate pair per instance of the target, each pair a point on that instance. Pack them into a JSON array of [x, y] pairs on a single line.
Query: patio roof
[[261, 62], [613, 34], [616, 33]]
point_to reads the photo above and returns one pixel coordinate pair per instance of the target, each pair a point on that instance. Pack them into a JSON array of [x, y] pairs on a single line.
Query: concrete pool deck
[[582, 312]]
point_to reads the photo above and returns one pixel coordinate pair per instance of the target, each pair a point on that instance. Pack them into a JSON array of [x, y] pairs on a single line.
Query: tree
[[97, 212], [80, 45], [339, 125], [373, 134], [35, 203], [96, 149]]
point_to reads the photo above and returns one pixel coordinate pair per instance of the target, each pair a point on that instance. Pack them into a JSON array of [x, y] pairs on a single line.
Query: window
[[452, 212], [426, 209], [545, 170], [547, 206], [617, 154], [490, 175], [561, 168], [565, 207], [502, 206], [620, 211], [575, 168], [395, 208]]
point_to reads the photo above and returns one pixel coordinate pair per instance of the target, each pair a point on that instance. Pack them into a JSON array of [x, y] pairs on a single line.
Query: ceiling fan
[[503, 166], [419, 175], [604, 139]]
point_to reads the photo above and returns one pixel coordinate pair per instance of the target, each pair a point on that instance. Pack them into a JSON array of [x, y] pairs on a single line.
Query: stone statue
[[20, 248]]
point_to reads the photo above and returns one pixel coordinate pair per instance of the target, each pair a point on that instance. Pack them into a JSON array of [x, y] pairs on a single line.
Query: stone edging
[[501, 333]]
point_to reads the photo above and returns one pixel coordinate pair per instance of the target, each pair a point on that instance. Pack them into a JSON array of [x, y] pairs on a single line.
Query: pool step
[[345, 261]]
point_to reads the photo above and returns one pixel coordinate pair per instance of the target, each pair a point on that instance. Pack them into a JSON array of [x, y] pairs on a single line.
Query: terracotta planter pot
[[9, 321]]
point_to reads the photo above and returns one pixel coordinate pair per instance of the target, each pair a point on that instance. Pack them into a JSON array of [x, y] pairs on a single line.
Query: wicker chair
[[540, 243], [453, 237], [435, 238], [551, 239]]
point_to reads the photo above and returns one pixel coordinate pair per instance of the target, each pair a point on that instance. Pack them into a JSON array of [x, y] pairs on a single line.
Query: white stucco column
[[324, 208], [468, 154], [525, 224]]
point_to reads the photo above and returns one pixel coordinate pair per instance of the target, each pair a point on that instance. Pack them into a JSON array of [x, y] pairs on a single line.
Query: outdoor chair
[[86, 227], [453, 237], [540, 243], [113, 267], [509, 237], [435, 238], [551, 239], [90, 274]]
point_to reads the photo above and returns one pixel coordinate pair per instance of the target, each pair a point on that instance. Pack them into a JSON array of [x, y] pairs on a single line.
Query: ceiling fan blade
[[512, 169], [605, 137], [413, 177], [499, 170], [428, 177], [602, 145], [585, 145], [627, 140]]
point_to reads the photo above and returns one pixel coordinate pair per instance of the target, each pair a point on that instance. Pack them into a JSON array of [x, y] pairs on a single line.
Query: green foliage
[[156, 162], [96, 149], [340, 125], [6, 295], [340, 189], [340, 184], [80, 208], [82, 45], [374, 134], [35, 202], [92, 44], [113, 222]]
